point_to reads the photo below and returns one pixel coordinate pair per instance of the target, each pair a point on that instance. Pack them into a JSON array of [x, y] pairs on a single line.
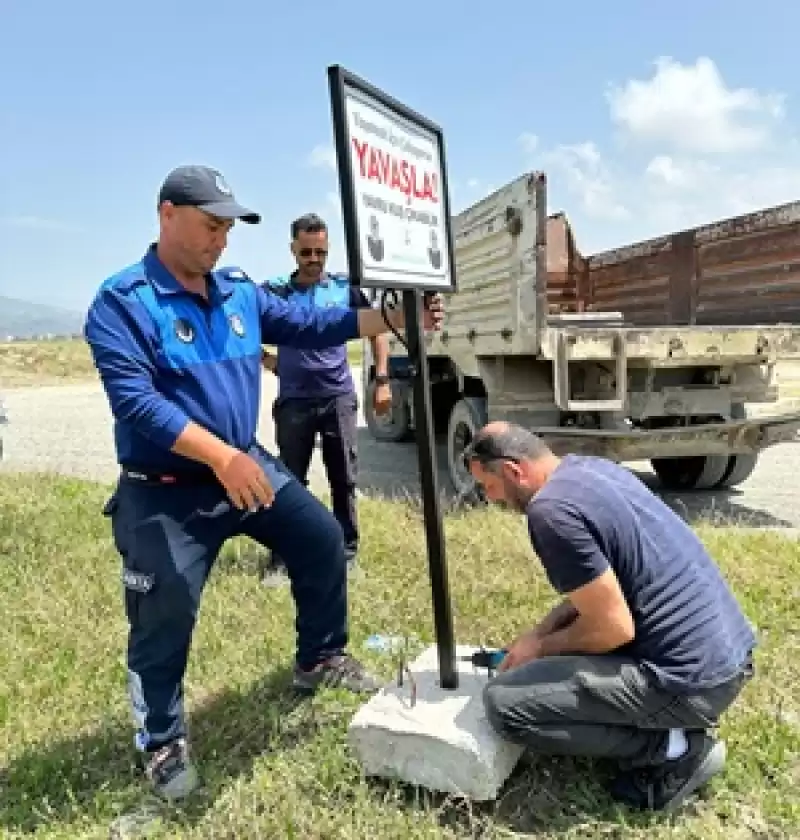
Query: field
[[274, 769], [57, 362], [61, 361]]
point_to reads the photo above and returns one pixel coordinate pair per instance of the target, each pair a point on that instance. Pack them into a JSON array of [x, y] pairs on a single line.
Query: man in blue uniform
[[649, 646], [178, 349], [316, 393]]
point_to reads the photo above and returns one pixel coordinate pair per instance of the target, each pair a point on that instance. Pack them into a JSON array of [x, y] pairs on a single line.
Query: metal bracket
[[403, 669], [564, 340]]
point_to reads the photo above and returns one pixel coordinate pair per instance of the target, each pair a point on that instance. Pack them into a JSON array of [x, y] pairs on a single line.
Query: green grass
[[274, 770], [26, 363], [59, 362]]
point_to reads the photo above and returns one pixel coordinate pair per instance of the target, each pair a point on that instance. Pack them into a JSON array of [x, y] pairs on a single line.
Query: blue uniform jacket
[[166, 356], [312, 373]]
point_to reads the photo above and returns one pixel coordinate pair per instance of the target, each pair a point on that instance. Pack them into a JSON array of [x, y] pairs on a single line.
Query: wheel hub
[[461, 439]]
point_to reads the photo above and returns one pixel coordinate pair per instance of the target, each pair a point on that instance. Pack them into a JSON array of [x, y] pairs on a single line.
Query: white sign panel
[[398, 191]]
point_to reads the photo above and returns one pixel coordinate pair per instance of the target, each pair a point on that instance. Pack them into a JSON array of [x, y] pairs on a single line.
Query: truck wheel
[[467, 416], [740, 468], [395, 426], [694, 472]]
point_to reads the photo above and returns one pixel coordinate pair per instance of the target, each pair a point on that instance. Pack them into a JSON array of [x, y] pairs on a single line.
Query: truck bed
[[665, 347], [744, 270], [521, 278]]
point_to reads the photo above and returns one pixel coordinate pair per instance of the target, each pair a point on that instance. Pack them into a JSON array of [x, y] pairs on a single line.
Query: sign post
[[395, 207]]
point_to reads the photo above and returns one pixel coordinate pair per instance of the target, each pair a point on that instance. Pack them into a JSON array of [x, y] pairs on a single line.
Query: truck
[[666, 350]]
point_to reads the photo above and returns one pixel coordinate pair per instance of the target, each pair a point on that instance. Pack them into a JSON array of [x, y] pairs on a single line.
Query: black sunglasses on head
[[484, 451]]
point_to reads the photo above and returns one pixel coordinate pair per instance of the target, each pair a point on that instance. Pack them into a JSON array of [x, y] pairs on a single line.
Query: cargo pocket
[[134, 584]]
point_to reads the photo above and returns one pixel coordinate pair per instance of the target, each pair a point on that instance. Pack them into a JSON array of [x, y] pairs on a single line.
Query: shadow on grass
[[543, 797], [96, 773]]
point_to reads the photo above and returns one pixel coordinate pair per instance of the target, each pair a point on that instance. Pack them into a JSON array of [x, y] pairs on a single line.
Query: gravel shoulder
[[67, 429]]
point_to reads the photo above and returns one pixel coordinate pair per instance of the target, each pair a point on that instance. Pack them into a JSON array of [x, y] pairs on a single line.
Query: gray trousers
[[599, 707]]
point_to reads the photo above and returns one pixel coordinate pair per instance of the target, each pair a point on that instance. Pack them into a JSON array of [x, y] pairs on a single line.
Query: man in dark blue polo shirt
[[649, 647], [178, 349], [316, 392]]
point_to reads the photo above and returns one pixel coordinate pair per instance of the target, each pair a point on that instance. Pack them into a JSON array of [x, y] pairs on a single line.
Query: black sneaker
[[667, 786], [338, 672], [170, 771], [172, 777]]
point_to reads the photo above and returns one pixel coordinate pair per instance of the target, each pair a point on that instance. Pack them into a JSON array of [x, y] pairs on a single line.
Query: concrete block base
[[443, 742]]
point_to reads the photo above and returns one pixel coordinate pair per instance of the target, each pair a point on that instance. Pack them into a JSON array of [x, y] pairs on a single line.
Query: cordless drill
[[486, 658]]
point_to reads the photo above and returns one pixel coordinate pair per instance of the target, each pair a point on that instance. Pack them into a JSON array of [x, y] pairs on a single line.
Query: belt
[[159, 478]]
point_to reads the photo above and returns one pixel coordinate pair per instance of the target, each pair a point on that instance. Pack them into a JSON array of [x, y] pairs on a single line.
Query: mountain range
[[22, 319]]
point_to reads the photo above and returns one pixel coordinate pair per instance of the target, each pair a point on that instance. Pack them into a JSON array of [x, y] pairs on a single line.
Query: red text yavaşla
[[396, 173]]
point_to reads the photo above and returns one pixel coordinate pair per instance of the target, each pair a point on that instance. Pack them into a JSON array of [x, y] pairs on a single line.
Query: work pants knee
[[303, 532]]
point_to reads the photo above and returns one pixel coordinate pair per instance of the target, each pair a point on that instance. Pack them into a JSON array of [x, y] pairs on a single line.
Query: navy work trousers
[[298, 421], [169, 537]]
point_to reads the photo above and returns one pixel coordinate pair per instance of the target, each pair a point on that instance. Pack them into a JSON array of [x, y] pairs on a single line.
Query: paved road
[[67, 429]]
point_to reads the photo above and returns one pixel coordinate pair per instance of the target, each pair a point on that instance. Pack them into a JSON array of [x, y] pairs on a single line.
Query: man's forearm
[[371, 322], [583, 636], [197, 443], [560, 616], [380, 352]]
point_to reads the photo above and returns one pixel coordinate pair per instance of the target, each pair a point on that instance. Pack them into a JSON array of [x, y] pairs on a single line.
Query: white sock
[[677, 744]]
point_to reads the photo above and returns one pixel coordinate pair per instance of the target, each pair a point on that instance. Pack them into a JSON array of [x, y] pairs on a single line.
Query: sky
[[645, 118]]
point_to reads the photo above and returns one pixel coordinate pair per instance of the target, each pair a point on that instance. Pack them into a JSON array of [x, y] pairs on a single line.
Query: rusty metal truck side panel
[[744, 270]]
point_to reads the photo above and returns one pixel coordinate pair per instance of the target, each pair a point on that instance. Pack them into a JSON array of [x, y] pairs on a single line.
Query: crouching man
[[649, 647]]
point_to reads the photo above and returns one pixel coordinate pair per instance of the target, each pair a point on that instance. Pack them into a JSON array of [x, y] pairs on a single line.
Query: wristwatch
[[381, 379]]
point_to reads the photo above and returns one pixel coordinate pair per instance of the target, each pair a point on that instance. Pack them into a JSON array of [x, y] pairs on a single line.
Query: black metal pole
[[429, 485]]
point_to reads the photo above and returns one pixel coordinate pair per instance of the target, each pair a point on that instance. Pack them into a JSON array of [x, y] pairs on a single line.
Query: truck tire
[[467, 416], [740, 468], [394, 427], [692, 472]]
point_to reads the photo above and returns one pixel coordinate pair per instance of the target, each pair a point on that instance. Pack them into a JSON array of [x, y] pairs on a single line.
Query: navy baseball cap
[[206, 189]]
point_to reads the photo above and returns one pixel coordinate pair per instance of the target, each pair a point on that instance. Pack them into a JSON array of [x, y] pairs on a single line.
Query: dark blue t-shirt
[[592, 514], [316, 374]]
